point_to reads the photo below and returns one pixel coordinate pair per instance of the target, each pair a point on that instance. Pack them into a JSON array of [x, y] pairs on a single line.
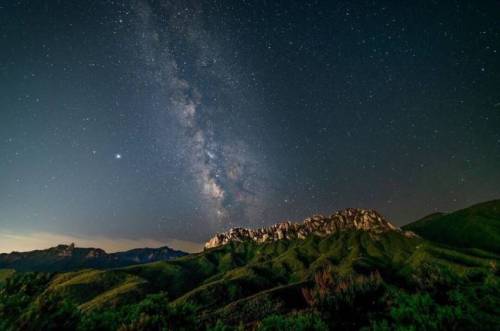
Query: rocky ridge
[[347, 219]]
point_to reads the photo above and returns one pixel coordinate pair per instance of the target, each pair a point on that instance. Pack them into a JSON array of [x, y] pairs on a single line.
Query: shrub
[[155, 313], [299, 322], [346, 301], [50, 312]]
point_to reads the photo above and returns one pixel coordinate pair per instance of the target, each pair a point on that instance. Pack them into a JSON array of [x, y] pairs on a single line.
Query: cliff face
[[347, 219]]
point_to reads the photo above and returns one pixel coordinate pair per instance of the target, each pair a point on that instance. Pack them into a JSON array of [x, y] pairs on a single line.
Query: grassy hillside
[[474, 227], [4, 274], [247, 282], [234, 271]]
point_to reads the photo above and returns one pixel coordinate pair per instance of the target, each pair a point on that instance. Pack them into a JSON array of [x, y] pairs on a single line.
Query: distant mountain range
[[69, 257]]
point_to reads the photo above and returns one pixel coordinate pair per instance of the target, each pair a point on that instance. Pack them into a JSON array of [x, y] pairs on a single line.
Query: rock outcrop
[[347, 219]]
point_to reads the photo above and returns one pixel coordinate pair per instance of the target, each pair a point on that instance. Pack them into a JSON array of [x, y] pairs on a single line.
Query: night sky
[[149, 122]]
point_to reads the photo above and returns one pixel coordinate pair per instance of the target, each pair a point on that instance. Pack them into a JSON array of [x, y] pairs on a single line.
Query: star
[[215, 117]]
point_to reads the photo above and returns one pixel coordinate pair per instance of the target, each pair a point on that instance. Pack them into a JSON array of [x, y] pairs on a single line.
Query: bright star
[[118, 156]]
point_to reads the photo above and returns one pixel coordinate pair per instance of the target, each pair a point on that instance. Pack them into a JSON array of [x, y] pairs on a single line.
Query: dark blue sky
[[175, 119]]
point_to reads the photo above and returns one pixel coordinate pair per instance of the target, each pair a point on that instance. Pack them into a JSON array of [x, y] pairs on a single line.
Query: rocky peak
[[94, 253], [65, 250], [347, 219]]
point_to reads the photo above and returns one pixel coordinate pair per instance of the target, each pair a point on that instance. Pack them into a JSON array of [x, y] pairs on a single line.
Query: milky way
[[224, 167]]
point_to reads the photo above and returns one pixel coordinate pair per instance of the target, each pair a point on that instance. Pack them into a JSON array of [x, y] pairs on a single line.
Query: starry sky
[[141, 122]]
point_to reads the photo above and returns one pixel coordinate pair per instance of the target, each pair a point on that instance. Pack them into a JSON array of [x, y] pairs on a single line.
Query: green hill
[[347, 280], [477, 226]]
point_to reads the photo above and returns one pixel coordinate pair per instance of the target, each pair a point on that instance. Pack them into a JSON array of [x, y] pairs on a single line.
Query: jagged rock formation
[[347, 219]]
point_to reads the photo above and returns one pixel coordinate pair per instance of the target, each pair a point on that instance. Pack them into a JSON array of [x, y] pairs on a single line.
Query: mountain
[[360, 275], [477, 226], [347, 219], [69, 257]]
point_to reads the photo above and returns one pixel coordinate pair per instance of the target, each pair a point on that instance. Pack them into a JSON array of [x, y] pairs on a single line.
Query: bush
[[155, 313], [17, 295], [299, 322], [346, 301], [435, 279], [421, 312], [219, 326], [104, 320], [50, 312]]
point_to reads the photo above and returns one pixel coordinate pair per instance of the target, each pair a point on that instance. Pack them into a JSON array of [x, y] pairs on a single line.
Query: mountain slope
[[5, 274], [69, 257], [243, 282], [477, 226], [223, 275], [366, 275]]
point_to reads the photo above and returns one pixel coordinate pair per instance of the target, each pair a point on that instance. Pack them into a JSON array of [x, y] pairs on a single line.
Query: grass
[[5, 274], [475, 227], [95, 288]]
